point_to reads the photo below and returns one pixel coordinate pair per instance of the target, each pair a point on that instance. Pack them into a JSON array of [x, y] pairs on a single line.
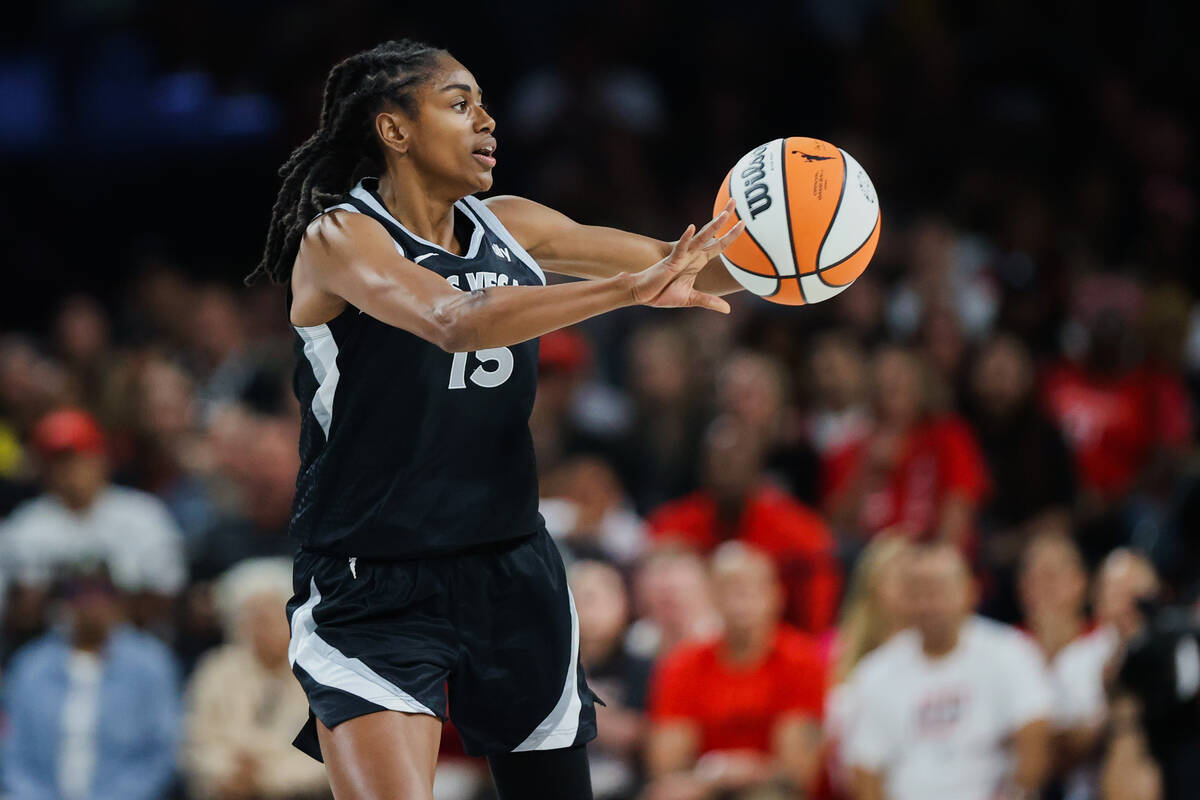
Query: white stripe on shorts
[[329, 666], [560, 727]]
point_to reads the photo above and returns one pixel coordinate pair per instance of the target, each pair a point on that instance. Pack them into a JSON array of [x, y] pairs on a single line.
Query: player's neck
[[419, 209]]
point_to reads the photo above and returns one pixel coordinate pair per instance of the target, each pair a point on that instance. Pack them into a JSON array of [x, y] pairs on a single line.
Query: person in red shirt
[[736, 502], [917, 472], [743, 710]]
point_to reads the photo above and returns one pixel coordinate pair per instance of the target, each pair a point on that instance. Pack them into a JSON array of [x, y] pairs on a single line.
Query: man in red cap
[[82, 516]]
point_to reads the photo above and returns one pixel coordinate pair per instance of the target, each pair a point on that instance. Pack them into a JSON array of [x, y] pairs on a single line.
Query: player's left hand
[[670, 282]]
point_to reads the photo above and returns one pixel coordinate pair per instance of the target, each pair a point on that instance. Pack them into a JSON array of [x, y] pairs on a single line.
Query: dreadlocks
[[344, 147]]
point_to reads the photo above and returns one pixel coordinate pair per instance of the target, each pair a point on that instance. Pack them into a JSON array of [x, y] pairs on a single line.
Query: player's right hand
[[669, 283]]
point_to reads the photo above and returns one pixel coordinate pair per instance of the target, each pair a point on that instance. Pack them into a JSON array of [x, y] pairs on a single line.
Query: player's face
[[452, 138]]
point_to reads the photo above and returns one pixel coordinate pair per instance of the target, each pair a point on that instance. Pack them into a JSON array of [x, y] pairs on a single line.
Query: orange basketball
[[812, 220]]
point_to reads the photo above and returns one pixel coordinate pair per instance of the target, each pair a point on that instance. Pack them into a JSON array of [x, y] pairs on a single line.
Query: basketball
[[812, 220]]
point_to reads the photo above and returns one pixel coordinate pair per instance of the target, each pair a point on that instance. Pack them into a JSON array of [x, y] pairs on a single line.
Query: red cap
[[563, 350], [67, 430]]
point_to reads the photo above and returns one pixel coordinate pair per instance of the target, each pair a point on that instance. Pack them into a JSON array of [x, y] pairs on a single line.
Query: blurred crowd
[[934, 538]]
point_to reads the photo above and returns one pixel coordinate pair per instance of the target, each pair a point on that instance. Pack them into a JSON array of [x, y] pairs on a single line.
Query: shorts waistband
[[499, 546]]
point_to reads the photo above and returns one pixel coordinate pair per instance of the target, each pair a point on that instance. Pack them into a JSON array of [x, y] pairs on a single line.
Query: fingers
[[706, 233], [719, 245], [709, 301]]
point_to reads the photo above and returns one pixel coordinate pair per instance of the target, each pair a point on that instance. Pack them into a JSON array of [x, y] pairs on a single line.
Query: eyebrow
[[461, 86]]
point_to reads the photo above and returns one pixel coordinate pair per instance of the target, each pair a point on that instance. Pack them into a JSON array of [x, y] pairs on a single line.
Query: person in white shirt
[[957, 708], [83, 517]]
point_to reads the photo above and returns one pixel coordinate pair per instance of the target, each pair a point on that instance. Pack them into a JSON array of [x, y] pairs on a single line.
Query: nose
[[486, 123]]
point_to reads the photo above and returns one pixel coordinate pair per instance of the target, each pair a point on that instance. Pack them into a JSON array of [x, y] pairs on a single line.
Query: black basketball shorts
[[489, 638]]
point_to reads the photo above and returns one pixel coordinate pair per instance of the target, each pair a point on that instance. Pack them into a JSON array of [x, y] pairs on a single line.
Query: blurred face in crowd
[[81, 330], [264, 629], [747, 593], [940, 595], [1124, 578], [673, 592], [165, 400], [1003, 377], [889, 590], [76, 477], [733, 459], [838, 373], [750, 387], [602, 606], [659, 366], [898, 391], [93, 609], [1053, 580], [216, 330]]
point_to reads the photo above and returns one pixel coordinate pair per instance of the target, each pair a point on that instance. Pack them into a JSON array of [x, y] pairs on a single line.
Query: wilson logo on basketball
[[758, 197]]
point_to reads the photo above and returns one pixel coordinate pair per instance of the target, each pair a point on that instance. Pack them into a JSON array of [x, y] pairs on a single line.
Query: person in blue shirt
[[93, 709]]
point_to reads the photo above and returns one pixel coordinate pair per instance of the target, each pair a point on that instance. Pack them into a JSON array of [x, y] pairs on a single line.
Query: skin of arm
[[1031, 746], [867, 785], [559, 244], [671, 747], [348, 258], [796, 741]]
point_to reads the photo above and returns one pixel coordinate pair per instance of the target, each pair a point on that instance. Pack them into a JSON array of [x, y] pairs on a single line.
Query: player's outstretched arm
[[560, 244], [351, 258]]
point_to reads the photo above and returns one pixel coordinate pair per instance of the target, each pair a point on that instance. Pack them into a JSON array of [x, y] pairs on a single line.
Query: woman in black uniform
[[424, 564]]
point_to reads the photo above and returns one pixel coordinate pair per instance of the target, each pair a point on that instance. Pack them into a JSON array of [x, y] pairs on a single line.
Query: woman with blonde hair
[[874, 610]]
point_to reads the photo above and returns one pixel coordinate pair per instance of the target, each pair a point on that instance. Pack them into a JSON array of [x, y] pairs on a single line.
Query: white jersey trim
[[492, 221], [328, 666], [321, 350], [360, 192], [561, 725]]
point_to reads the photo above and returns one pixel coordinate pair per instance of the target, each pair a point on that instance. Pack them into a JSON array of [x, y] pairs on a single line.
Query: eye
[[459, 105]]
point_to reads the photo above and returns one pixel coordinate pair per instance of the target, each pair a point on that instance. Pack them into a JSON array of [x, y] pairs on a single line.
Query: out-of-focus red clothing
[[1113, 424], [939, 456], [737, 706], [795, 536]]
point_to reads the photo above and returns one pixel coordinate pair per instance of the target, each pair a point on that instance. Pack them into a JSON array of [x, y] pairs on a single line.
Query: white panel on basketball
[[855, 219], [816, 290], [759, 284], [765, 212]]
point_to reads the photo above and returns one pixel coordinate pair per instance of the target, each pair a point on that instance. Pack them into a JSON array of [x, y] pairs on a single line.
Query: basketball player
[[424, 564]]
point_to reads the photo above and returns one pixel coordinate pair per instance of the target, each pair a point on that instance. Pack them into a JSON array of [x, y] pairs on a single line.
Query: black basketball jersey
[[406, 450]]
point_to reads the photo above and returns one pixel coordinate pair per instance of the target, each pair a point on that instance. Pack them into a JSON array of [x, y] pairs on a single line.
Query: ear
[[393, 132]]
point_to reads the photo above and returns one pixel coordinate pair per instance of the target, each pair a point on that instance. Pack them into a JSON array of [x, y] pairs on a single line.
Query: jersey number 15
[[495, 367]]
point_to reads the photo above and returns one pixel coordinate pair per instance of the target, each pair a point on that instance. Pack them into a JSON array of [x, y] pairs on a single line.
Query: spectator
[[875, 610], [244, 706], [1031, 468], [1084, 666], [92, 713], [84, 517], [939, 704], [918, 471], [659, 454], [587, 512], [839, 417], [619, 676], [742, 711], [752, 389], [1125, 425], [736, 502], [673, 601], [1053, 589]]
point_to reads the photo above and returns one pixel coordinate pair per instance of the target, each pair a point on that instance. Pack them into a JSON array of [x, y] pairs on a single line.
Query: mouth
[[485, 154]]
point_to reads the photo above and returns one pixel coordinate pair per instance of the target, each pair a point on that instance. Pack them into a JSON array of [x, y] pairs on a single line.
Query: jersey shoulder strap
[[493, 223]]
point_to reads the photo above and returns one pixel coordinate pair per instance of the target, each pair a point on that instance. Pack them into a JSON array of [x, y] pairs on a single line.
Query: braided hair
[[344, 147]]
